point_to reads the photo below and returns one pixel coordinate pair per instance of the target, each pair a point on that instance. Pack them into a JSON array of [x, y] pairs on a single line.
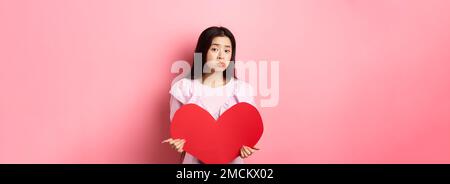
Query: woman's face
[[219, 54]]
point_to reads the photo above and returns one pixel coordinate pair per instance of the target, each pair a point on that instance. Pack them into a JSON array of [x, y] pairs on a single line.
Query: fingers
[[176, 144], [243, 154], [247, 151], [179, 145], [171, 141], [180, 148], [167, 140]]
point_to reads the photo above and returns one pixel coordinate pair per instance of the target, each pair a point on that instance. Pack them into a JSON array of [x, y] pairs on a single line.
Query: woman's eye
[[227, 51], [214, 49]]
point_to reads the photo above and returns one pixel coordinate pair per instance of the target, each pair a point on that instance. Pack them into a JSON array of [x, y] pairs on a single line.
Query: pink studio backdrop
[[86, 81]]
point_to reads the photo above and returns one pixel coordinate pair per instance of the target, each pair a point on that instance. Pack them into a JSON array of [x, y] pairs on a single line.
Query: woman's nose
[[220, 55]]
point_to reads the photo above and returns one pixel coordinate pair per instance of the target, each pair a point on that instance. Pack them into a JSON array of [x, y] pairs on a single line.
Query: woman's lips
[[221, 65]]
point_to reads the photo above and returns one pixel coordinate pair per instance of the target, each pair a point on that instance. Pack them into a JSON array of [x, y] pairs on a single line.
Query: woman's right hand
[[177, 144]]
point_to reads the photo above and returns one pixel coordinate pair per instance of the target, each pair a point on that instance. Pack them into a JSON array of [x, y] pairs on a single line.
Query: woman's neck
[[214, 79]]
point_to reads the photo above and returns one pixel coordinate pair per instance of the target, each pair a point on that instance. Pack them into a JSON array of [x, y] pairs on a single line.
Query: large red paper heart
[[217, 142]]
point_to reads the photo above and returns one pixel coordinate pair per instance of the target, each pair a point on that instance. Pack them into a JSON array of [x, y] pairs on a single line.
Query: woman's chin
[[220, 70]]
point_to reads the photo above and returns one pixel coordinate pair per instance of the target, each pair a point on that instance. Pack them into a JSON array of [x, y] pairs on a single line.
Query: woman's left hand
[[247, 151]]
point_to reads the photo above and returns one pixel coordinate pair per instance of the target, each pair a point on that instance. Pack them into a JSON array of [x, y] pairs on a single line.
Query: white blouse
[[214, 100]]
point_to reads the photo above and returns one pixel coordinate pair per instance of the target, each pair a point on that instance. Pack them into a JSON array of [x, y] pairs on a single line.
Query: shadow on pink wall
[[184, 48]]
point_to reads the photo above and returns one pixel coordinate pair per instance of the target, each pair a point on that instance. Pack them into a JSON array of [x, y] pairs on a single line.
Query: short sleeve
[[180, 90], [245, 93], [180, 94]]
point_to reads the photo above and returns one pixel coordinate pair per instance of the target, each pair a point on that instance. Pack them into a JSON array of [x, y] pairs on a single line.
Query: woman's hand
[[247, 151], [176, 144]]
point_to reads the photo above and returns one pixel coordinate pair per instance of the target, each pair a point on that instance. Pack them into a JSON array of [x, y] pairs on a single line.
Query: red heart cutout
[[217, 142]]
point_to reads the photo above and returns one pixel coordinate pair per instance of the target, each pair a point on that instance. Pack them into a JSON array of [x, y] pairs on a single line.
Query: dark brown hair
[[203, 45]]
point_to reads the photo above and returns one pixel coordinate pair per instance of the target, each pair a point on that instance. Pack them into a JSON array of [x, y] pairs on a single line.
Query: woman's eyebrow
[[220, 44]]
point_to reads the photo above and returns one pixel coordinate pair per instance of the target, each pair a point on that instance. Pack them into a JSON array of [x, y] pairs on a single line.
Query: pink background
[[86, 81]]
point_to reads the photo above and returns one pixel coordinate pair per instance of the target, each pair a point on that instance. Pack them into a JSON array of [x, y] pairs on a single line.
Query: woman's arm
[[174, 106], [177, 144]]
